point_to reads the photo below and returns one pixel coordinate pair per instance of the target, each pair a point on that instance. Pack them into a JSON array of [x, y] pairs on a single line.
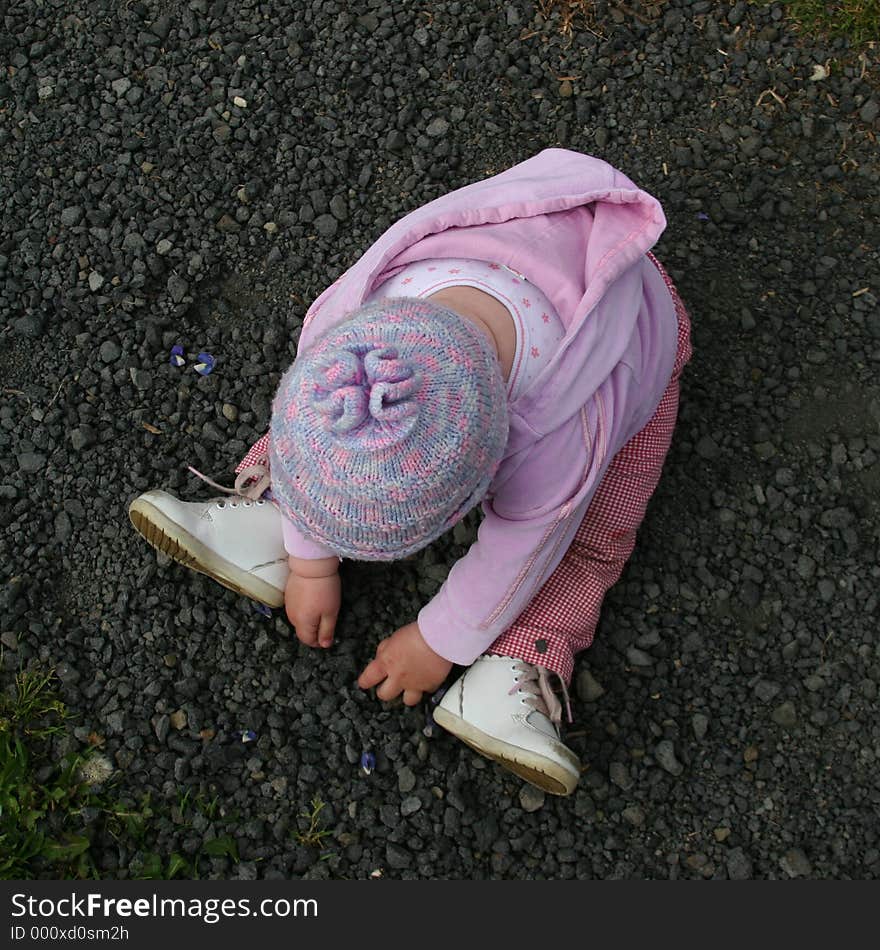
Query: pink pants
[[561, 619]]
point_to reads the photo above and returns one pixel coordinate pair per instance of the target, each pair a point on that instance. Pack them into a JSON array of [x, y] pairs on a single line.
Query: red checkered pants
[[561, 619]]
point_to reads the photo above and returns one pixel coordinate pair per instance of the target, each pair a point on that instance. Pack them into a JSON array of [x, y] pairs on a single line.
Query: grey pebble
[[531, 798], [587, 687], [409, 806], [634, 815], [109, 351], [30, 462], [397, 856], [326, 225], [700, 725], [739, 865], [785, 715], [406, 780], [795, 863], [665, 755]]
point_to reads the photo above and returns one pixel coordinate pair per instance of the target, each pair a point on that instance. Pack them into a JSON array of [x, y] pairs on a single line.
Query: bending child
[[514, 344]]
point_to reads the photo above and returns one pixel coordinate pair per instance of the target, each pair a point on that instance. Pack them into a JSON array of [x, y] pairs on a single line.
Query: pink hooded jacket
[[579, 230]]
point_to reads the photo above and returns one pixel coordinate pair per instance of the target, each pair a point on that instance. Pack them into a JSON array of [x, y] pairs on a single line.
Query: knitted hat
[[388, 429]]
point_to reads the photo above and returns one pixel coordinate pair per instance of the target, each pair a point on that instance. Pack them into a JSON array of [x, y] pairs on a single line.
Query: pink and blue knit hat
[[388, 429]]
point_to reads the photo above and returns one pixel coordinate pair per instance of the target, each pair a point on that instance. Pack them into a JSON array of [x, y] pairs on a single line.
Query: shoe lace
[[535, 680], [257, 474]]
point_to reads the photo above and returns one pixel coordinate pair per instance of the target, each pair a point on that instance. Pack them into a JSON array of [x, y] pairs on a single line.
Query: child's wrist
[[313, 568]]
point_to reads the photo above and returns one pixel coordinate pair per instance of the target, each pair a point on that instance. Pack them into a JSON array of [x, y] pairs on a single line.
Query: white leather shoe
[[235, 541], [504, 708]]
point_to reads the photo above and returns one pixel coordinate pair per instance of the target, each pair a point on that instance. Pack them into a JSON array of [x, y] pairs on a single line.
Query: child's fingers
[[390, 689], [412, 697], [307, 632], [325, 631], [373, 673]]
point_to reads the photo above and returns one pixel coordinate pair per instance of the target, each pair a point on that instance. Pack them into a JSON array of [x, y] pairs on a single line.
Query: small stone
[[531, 798], [83, 437], [707, 448], [177, 288], [228, 225], [71, 216], [436, 128], [230, 412], [619, 775], [665, 755], [785, 715], [141, 378], [409, 806], [66, 673], [177, 719], [795, 863], [751, 753], [634, 815], [109, 351], [588, 689], [120, 86], [397, 857], [721, 834], [765, 690], [326, 225], [637, 657], [396, 141], [30, 462], [566, 89], [700, 725], [96, 281], [9, 639], [826, 589], [869, 111], [739, 865], [238, 101], [163, 247], [406, 780]]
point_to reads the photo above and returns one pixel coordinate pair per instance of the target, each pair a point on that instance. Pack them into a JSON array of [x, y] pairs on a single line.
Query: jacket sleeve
[[298, 545], [527, 527]]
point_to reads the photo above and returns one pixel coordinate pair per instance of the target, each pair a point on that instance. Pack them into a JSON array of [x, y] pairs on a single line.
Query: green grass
[[311, 834], [858, 20], [54, 815], [35, 833]]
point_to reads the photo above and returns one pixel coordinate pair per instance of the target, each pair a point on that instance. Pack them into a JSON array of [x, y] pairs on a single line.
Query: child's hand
[[407, 665], [311, 599]]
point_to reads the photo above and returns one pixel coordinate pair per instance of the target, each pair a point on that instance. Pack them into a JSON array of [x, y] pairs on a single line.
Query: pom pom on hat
[[388, 429]]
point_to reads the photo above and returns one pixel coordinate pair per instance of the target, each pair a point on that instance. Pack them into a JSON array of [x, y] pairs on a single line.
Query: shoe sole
[[533, 769], [162, 533]]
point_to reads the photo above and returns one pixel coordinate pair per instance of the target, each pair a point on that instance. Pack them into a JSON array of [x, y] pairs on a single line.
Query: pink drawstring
[[259, 474]]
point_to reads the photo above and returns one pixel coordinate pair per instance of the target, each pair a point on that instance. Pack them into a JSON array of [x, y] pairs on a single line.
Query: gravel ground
[[195, 173]]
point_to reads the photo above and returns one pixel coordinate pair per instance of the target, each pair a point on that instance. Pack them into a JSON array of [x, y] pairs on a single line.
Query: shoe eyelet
[[233, 504], [247, 504], [221, 505], [260, 503]]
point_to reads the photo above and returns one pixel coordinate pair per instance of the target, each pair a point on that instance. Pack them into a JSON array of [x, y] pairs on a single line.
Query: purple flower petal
[[205, 364], [177, 358], [702, 216], [248, 735], [436, 697], [368, 762], [263, 609]]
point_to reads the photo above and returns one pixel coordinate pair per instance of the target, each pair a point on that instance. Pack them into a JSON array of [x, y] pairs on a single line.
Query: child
[[514, 343]]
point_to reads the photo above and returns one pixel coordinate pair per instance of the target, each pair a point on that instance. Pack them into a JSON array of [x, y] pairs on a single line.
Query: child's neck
[[489, 314]]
